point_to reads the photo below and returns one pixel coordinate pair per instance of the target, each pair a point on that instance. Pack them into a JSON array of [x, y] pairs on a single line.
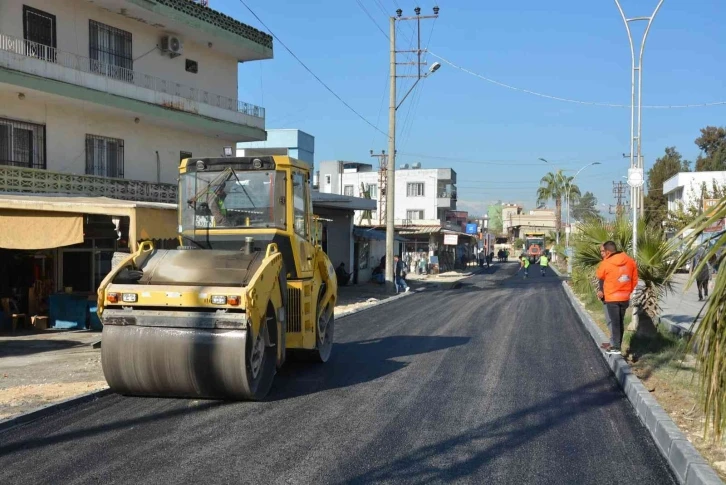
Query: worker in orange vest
[[617, 276]]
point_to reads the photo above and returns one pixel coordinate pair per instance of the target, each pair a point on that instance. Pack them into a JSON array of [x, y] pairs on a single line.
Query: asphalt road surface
[[492, 383]]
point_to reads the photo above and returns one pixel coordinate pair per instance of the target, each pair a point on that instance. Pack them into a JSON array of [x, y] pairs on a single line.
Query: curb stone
[[685, 461], [348, 313], [445, 286], [674, 328], [53, 408]]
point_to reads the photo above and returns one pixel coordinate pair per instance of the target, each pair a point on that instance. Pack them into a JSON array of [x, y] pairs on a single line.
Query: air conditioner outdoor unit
[[171, 45]]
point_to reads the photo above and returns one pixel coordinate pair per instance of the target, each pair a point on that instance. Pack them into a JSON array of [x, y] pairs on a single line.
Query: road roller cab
[[246, 287]]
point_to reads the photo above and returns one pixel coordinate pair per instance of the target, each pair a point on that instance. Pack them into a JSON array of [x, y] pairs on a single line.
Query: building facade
[[685, 188], [120, 88], [516, 221], [99, 102], [423, 196], [290, 142]]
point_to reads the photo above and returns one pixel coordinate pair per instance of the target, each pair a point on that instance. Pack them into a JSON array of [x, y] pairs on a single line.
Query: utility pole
[[392, 107], [619, 194], [382, 168], [635, 174]]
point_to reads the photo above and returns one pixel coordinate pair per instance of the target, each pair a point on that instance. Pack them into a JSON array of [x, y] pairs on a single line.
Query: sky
[[492, 136]]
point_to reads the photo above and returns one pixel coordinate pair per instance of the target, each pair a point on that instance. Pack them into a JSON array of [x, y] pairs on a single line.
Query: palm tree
[[654, 260], [710, 334], [554, 186]]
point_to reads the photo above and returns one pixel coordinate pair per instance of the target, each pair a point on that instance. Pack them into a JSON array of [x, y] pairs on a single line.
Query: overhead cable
[[311, 72], [575, 101]]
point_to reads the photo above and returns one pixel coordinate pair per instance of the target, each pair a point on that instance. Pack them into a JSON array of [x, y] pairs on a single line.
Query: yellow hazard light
[[233, 300], [112, 297]]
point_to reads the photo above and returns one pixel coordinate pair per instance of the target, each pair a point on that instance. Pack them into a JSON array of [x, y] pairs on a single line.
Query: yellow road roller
[[246, 287]]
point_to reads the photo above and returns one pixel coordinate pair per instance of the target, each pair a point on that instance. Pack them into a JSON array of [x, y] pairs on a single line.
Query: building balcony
[[37, 66], [18, 180]]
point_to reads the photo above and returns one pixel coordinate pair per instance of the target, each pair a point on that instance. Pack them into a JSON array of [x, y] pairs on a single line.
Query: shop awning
[[374, 234], [28, 229], [51, 222]]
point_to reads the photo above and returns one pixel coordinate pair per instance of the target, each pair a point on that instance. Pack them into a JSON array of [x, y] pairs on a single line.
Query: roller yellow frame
[[247, 287]]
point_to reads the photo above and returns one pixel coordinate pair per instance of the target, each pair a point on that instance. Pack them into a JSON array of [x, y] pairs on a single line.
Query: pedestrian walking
[[617, 276], [400, 281], [703, 276], [543, 263], [524, 264]]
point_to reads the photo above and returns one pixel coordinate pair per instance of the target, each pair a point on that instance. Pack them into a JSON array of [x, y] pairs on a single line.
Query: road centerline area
[[494, 382]]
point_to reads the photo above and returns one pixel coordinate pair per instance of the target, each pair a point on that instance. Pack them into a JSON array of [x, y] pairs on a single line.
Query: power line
[[372, 19], [575, 101], [494, 162], [418, 94], [310, 71]]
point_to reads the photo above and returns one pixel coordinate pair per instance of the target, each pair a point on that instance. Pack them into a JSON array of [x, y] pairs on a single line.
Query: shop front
[[55, 251]]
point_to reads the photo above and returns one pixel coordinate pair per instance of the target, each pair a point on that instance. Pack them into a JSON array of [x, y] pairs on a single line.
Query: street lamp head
[[417, 10], [399, 12], [436, 10], [543, 160], [434, 67], [596, 163]]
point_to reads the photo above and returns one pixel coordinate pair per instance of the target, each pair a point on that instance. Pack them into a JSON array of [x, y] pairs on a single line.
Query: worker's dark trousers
[[702, 288], [615, 318]]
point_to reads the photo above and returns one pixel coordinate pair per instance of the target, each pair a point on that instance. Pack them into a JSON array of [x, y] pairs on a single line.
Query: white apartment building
[[684, 188], [122, 88], [423, 196], [99, 101]]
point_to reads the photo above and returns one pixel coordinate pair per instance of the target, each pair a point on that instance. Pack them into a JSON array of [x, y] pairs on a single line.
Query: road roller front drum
[[187, 362]]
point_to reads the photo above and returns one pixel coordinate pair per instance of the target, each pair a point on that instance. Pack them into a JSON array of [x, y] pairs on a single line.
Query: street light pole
[[557, 229], [636, 165], [392, 108], [569, 227], [391, 168]]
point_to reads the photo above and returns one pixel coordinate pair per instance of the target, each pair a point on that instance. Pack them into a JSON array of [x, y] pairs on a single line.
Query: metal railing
[[17, 180], [9, 43], [447, 194]]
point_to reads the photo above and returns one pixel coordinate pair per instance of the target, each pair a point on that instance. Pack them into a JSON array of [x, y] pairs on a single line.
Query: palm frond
[[710, 334]]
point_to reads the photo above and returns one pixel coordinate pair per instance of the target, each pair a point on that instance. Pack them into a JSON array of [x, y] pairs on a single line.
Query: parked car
[[685, 268]]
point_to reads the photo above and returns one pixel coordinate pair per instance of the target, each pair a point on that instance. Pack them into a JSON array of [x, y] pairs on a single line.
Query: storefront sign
[[451, 239], [717, 226], [472, 229]]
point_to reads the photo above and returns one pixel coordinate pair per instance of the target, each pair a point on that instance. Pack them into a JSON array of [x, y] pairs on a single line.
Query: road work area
[[41, 368], [494, 382], [37, 369]]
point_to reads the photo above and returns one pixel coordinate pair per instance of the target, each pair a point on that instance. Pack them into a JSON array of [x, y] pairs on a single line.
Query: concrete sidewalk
[[680, 307]]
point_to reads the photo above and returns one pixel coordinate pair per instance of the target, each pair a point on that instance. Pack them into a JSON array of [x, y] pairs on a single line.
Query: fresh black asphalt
[[495, 382]]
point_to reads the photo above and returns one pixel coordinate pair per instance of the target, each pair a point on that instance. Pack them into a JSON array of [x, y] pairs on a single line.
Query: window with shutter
[[22, 144], [104, 156]]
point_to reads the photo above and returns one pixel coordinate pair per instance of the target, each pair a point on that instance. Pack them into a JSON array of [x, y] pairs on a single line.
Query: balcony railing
[[9, 43], [31, 181]]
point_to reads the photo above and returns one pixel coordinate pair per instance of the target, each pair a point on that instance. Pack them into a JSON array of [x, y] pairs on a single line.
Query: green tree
[[496, 224], [554, 186], [712, 143], [585, 208], [665, 167]]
